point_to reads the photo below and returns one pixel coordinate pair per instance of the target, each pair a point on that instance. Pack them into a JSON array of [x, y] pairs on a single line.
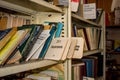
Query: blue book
[[59, 29], [89, 67], [3, 33], [47, 43], [75, 30]]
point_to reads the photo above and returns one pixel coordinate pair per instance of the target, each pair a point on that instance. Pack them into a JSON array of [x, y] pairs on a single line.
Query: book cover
[[39, 76], [74, 5], [64, 56], [11, 45], [3, 23], [38, 45], [74, 29], [90, 36], [47, 42], [56, 49], [78, 70], [28, 44], [59, 29], [80, 33], [14, 58], [72, 48], [94, 64], [89, 67], [59, 69], [78, 53], [6, 36]]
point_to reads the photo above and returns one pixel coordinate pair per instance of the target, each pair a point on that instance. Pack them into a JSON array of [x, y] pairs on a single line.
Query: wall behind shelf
[[104, 4], [113, 33]]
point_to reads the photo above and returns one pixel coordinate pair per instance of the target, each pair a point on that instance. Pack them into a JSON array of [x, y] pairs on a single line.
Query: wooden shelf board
[[84, 20], [92, 52], [12, 69], [29, 6]]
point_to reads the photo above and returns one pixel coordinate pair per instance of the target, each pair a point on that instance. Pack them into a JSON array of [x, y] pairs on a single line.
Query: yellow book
[[11, 45], [7, 37]]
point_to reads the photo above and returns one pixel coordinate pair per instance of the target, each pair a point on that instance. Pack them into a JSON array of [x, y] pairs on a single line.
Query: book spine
[[59, 29]]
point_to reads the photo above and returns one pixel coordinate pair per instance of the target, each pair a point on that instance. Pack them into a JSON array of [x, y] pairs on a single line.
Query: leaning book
[[56, 49], [11, 45]]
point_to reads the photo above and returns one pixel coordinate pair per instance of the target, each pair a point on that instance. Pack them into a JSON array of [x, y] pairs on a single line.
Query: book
[[78, 53], [89, 67], [58, 71], [78, 71], [3, 33], [91, 38], [80, 33], [99, 15], [11, 45], [47, 42], [39, 76], [74, 29], [72, 48], [26, 47], [56, 49], [75, 5], [59, 29], [7, 34], [3, 23], [53, 73], [66, 51], [16, 57], [37, 47]]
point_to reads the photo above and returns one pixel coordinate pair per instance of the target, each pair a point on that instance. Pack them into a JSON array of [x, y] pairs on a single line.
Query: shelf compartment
[[12, 69], [92, 52], [29, 6], [89, 23]]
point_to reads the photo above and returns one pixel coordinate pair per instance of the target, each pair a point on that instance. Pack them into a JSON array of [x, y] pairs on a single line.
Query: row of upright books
[[91, 35], [10, 20], [88, 68], [37, 41]]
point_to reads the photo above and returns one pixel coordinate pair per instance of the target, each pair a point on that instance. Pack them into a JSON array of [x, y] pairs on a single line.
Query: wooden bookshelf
[[87, 53], [17, 68], [79, 18], [29, 6]]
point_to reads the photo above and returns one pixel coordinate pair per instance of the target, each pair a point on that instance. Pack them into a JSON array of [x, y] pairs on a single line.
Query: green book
[[28, 43]]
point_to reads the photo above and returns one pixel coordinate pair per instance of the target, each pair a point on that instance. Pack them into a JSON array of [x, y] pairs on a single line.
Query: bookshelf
[[12, 69], [73, 18], [40, 11]]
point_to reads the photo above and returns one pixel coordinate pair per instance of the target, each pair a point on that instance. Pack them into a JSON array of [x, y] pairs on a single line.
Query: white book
[[78, 53], [72, 48], [39, 77], [37, 53], [56, 49], [75, 5], [39, 44], [53, 73], [66, 50]]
